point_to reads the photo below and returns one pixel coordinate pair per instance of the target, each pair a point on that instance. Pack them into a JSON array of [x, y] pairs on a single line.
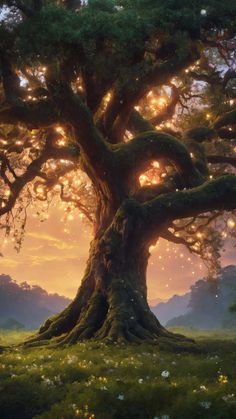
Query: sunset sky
[[56, 260]]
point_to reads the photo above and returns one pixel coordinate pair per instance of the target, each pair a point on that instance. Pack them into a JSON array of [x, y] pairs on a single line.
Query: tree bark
[[111, 303]]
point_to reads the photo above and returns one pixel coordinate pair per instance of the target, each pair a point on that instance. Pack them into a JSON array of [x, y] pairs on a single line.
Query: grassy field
[[105, 382]]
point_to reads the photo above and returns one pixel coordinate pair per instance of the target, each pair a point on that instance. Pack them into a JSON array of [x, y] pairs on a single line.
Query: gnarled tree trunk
[[112, 300]]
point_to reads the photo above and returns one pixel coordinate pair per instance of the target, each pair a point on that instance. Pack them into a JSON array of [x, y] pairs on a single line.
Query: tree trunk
[[111, 303], [112, 300]]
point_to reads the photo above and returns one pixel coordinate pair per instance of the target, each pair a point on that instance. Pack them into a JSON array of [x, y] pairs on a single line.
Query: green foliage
[[121, 382], [116, 28], [233, 308], [94, 30]]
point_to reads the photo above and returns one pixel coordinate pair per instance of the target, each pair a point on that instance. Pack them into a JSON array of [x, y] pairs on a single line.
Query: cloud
[[42, 259], [8, 262], [53, 241]]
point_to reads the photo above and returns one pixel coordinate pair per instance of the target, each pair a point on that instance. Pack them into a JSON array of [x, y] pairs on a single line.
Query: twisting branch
[[5, 165], [226, 134], [15, 110], [94, 149], [137, 154], [169, 110], [222, 160], [138, 124], [168, 235], [34, 170], [149, 192], [35, 115], [77, 202], [218, 194], [126, 97], [229, 118]]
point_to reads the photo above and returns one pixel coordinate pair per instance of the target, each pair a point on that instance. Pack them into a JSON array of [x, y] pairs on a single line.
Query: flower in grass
[[165, 374], [206, 405], [121, 397], [140, 381], [71, 359], [223, 379], [203, 388], [47, 381], [229, 398]]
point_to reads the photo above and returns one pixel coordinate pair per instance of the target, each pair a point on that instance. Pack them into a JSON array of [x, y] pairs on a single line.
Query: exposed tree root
[[99, 323], [111, 306]]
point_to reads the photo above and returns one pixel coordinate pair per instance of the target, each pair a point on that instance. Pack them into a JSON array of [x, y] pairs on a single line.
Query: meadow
[[91, 380]]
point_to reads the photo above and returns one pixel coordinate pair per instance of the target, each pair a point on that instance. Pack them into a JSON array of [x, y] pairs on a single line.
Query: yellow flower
[[223, 379]]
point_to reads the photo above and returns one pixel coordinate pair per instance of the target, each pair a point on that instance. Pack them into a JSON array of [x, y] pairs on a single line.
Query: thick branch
[[137, 154], [126, 97], [228, 118], [34, 115], [137, 124], [222, 160], [219, 194], [226, 134], [149, 192], [94, 149]]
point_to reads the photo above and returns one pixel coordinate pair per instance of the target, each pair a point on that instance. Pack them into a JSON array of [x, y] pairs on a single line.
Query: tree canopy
[[127, 102]]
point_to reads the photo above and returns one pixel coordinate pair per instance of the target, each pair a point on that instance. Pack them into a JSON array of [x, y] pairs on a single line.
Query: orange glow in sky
[[55, 259]]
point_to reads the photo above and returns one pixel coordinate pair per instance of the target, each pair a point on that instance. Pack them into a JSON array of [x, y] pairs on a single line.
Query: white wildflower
[[229, 398], [165, 374], [205, 405]]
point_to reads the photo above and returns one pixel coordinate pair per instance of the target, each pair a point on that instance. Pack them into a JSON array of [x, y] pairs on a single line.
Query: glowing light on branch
[[231, 223]]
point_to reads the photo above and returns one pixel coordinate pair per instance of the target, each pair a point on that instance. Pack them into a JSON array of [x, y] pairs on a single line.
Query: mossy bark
[[111, 303]]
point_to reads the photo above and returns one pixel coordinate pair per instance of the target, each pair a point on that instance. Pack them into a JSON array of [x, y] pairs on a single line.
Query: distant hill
[[209, 303], [12, 324], [175, 306], [27, 306], [154, 301]]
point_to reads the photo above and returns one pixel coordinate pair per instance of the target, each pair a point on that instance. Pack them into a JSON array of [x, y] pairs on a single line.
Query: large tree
[[126, 110]]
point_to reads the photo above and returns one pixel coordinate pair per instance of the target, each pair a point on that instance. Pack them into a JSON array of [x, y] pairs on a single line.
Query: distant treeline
[[28, 305], [210, 302]]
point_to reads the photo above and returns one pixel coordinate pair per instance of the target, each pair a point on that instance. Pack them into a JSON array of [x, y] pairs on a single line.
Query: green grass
[[118, 381], [9, 337]]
